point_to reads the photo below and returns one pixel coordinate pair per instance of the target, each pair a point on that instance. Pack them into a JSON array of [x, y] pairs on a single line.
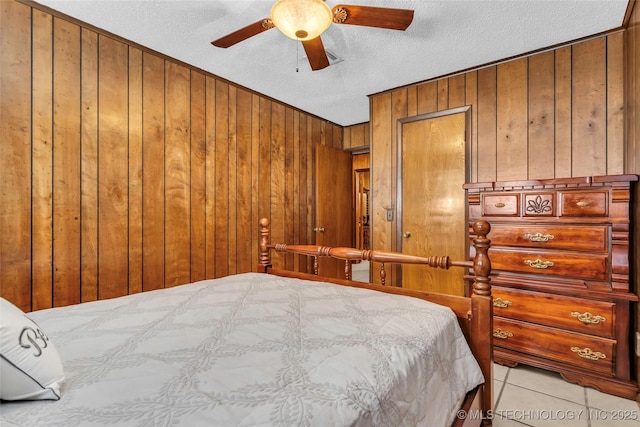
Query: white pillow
[[30, 367]]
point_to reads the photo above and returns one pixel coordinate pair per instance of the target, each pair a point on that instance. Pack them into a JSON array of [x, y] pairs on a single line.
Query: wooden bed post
[[265, 251], [482, 307]]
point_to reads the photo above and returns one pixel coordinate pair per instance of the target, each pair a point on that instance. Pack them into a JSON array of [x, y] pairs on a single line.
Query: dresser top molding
[[585, 181]]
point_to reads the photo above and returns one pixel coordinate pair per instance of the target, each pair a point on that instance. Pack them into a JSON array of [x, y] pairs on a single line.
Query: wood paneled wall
[[125, 171], [558, 113], [632, 56], [632, 95], [357, 137]]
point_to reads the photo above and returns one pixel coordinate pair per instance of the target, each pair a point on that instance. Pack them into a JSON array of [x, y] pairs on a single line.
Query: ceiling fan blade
[[316, 53], [244, 33], [369, 16]]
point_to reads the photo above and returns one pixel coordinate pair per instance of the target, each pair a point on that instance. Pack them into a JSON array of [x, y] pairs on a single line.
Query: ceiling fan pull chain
[[297, 56]]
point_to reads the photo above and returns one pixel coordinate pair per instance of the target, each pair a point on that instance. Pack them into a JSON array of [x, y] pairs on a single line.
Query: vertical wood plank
[[66, 163], [512, 120], [15, 154], [443, 94], [615, 103], [471, 97], [135, 170], [210, 178], [338, 136], [428, 98], [222, 177], [589, 105], [305, 161], [289, 196], [347, 138], [412, 101], [367, 134], [316, 130], [278, 177], [113, 173], [153, 172], [244, 221], [255, 175], [457, 91], [311, 184], [563, 111], [42, 161], [487, 127], [357, 135], [264, 161], [198, 176], [177, 173], [233, 181], [264, 164], [296, 185], [541, 115], [89, 165], [327, 134]]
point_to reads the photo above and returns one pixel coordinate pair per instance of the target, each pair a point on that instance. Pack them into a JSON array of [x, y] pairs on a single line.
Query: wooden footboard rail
[[351, 255], [475, 311]]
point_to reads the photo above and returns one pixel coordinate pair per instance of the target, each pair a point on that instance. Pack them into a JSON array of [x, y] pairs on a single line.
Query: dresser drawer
[[578, 265], [576, 314], [589, 352], [507, 204], [584, 203], [587, 238]]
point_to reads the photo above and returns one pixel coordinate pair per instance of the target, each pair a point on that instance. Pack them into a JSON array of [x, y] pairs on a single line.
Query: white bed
[[254, 350]]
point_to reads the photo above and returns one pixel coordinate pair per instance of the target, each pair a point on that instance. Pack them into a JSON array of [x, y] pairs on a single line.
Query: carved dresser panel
[[560, 276]]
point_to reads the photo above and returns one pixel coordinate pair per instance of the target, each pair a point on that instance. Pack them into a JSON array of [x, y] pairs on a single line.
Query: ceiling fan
[[306, 20]]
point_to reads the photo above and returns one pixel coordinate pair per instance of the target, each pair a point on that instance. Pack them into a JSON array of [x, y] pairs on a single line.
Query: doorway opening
[[362, 217], [361, 201], [362, 226]]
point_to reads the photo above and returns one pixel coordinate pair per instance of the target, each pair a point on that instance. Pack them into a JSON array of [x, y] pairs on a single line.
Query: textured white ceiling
[[445, 36]]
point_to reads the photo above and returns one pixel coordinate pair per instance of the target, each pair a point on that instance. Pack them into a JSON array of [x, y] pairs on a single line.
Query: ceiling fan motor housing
[[301, 19]]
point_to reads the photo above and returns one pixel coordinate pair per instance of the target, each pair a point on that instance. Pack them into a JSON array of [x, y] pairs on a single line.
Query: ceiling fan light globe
[[301, 19]]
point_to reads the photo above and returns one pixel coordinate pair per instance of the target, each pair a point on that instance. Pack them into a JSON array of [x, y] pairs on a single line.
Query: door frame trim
[[397, 242]]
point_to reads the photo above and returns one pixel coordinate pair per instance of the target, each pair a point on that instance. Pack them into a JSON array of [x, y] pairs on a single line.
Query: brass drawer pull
[[588, 318], [538, 263], [499, 333], [501, 303], [539, 237], [499, 205], [582, 203], [587, 353]]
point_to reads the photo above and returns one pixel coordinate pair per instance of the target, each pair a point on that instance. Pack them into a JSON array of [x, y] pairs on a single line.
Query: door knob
[[406, 234], [320, 229]]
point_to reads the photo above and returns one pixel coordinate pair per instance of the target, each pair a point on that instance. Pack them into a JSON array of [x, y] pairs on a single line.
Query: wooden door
[[334, 205], [431, 201]]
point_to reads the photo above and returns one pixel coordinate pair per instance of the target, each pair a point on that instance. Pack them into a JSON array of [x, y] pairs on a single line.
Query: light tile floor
[[527, 396], [360, 271]]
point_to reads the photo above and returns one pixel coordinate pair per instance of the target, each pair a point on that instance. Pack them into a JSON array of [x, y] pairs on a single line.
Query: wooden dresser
[[560, 276]]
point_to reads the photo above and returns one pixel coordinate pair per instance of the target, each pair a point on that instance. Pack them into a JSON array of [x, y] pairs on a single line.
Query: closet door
[[432, 168]]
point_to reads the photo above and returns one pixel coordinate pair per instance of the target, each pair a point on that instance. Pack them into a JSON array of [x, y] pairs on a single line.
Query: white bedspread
[[254, 350]]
